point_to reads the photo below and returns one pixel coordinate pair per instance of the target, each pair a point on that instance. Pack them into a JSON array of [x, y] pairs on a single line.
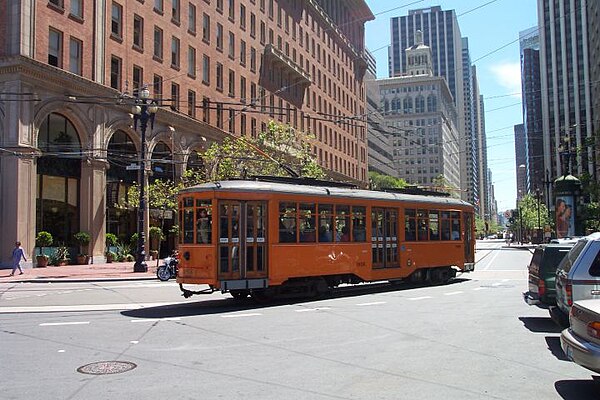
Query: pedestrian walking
[[17, 254]]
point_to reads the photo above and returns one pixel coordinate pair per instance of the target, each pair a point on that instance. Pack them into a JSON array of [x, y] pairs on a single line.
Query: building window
[[231, 121], [219, 37], [157, 86], [252, 25], [205, 28], [231, 45], [242, 53], [243, 124], [174, 96], [115, 73], [158, 43], [220, 6], [243, 17], [116, 26], [252, 59], [205, 69], [191, 62], [220, 77], [175, 11], [232, 10], [242, 89], [75, 47], [77, 8], [175, 52], [159, 6], [231, 83], [58, 3], [138, 31], [220, 115], [55, 48], [138, 78], [192, 19], [206, 110], [191, 103]]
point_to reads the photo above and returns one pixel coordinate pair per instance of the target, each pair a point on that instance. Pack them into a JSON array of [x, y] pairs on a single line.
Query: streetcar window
[[359, 231], [325, 222], [455, 216], [224, 223], [434, 225], [445, 226], [188, 202], [203, 222], [423, 225], [308, 223], [188, 225], [342, 223], [410, 225], [287, 222], [181, 222]]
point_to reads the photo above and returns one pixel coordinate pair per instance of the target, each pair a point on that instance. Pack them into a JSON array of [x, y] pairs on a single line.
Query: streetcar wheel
[[163, 273], [239, 294]]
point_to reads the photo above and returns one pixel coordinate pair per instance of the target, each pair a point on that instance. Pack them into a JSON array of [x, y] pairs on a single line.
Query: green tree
[[380, 181], [441, 184]]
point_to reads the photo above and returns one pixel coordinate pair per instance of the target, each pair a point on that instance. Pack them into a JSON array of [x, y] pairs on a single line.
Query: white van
[[577, 277]]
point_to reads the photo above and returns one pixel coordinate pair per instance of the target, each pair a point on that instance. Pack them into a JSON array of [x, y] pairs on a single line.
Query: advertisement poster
[[565, 217]]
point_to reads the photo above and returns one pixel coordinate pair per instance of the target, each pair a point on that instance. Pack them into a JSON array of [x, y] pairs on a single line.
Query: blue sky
[[491, 25]]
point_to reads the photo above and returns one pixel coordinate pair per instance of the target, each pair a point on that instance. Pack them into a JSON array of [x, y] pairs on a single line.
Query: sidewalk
[[122, 271]]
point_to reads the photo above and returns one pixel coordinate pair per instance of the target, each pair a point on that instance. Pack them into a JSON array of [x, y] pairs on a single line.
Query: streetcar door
[[242, 240], [468, 227], [384, 237]]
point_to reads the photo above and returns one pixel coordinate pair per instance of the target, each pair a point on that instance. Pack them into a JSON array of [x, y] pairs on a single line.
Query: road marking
[[372, 303], [452, 293], [313, 309], [134, 341], [241, 315], [61, 351], [83, 307], [420, 298], [65, 323], [497, 284], [480, 288], [156, 319]]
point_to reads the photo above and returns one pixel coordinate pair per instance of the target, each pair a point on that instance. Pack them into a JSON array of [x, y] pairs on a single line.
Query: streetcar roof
[[333, 192]]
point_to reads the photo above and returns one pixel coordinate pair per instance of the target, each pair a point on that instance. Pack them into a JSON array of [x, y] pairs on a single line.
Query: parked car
[[577, 277], [581, 342], [542, 273]]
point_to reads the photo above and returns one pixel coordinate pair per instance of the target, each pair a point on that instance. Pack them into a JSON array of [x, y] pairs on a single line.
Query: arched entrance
[[58, 176], [121, 152]]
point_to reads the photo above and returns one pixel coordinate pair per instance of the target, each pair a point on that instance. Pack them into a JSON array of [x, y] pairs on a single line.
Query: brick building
[[216, 68]]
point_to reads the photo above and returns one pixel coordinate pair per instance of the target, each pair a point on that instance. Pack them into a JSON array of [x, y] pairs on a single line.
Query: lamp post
[[538, 196], [143, 110]]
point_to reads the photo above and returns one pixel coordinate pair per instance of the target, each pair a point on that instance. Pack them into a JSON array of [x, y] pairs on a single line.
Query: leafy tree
[[441, 184], [380, 181], [278, 151]]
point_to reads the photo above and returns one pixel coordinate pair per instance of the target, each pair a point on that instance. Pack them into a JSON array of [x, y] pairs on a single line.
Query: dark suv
[[542, 272]]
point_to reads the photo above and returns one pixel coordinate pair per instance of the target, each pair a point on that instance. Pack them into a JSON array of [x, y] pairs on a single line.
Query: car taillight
[[593, 329], [541, 288], [569, 293]]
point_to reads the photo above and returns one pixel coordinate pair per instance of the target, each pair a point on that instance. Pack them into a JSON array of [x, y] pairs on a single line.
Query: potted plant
[[156, 236], [43, 239], [83, 239], [110, 256], [111, 243], [60, 256]]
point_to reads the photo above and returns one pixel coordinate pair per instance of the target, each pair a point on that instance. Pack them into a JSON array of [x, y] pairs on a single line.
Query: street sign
[[132, 167]]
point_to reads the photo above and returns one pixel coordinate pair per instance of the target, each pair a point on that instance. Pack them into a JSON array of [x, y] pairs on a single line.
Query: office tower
[[566, 84], [468, 146]]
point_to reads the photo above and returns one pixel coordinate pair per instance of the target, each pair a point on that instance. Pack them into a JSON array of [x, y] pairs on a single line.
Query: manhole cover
[[107, 367]]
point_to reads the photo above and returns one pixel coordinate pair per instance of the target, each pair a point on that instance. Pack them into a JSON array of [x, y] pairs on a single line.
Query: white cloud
[[508, 75]]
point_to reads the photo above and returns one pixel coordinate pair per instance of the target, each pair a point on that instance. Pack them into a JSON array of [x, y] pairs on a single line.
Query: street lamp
[[538, 196], [143, 110]]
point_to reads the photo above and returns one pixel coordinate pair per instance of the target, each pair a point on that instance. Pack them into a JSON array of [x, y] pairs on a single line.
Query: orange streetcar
[[279, 237]]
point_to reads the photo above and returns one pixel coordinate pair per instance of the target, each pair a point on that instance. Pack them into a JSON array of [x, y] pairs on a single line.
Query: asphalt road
[[472, 339]]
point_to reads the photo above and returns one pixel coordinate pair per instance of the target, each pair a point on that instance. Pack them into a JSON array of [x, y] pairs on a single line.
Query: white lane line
[[480, 288], [156, 319], [241, 315], [313, 309], [65, 323], [82, 307], [419, 298], [372, 303], [452, 293], [490, 261], [497, 284]]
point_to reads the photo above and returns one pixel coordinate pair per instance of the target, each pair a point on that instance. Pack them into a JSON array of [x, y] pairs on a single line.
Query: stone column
[[93, 206]]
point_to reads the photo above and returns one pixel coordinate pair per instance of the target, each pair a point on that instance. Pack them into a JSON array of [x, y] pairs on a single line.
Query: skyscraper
[[566, 87], [532, 110], [468, 146]]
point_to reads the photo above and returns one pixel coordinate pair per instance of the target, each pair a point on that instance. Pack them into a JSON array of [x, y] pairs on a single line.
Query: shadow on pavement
[[540, 324], [553, 343], [579, 389], [227, 305]]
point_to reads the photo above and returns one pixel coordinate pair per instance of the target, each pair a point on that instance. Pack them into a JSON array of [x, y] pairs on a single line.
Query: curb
[[81, 280]]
